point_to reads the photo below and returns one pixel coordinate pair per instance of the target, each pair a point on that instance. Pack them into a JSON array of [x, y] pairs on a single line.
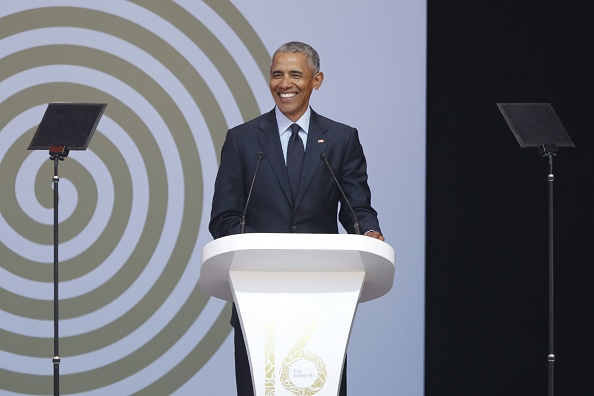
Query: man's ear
[[318, 79]]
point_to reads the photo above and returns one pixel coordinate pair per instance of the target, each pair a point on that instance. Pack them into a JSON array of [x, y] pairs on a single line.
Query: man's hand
[[375, 234]]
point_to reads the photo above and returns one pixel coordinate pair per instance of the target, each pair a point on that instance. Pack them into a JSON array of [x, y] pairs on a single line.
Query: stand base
[[296, 327]]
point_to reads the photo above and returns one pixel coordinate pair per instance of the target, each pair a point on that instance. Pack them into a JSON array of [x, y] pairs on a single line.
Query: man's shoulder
[[262, 121], [329, 124]]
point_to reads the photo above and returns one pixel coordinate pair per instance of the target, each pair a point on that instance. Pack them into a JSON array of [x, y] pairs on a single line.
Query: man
[[294, 190]]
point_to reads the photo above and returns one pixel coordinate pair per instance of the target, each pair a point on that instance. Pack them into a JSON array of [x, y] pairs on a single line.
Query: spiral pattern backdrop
[[134, 206]]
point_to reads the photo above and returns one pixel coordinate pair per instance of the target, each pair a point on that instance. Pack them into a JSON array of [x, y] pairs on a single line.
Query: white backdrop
[[373, 59]]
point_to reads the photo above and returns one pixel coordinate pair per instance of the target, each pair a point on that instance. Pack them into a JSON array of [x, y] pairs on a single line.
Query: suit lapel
[[317, 143], [270, 142]]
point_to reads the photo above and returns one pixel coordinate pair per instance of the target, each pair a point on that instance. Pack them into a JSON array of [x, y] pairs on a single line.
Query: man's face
[[292, 82]]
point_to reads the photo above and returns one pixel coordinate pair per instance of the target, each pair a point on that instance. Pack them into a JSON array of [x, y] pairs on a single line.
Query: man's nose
[[286, 81]]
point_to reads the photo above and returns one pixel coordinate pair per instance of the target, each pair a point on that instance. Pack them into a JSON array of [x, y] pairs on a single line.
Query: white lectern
[[296, 295]]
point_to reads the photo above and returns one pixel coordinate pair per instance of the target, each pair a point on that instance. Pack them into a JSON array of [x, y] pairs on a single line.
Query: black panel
[[69, 125]]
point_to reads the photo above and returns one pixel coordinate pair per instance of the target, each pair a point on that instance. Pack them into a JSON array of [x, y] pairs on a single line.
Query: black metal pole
[[551, 356], [56, 359]]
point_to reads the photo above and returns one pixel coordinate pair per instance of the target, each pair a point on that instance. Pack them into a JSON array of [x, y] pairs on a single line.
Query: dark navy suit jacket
[[271, 208]]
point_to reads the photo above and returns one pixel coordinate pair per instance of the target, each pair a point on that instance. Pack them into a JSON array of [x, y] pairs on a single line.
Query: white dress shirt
[[284, 129]]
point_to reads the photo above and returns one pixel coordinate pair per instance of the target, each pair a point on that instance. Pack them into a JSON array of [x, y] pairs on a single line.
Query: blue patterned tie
[[295, 156]]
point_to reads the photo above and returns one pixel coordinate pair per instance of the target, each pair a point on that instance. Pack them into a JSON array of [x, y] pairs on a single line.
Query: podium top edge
[[292, 242]]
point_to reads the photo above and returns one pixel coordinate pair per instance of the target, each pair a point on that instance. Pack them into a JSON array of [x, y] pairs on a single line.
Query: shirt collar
[[284, 123]]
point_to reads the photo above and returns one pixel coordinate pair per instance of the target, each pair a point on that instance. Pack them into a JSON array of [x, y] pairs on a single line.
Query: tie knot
[[294, 129]]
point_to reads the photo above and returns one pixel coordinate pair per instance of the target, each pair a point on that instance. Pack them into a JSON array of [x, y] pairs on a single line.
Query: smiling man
[[294, 190], [293, 77]]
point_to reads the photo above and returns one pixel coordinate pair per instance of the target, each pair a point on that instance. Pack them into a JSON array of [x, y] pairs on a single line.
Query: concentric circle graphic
[[134, 207]]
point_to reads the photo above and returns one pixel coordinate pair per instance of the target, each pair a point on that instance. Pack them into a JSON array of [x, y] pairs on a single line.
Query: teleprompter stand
[[64, 127], [537, 125]]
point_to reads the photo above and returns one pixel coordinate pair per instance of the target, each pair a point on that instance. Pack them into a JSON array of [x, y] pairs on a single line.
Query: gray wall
[[134, 206]]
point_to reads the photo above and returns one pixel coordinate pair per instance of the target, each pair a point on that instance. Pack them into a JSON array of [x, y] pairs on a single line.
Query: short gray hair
[[297, 47]]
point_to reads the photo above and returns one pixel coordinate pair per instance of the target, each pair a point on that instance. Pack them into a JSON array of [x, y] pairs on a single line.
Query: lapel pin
[[320, 140]]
